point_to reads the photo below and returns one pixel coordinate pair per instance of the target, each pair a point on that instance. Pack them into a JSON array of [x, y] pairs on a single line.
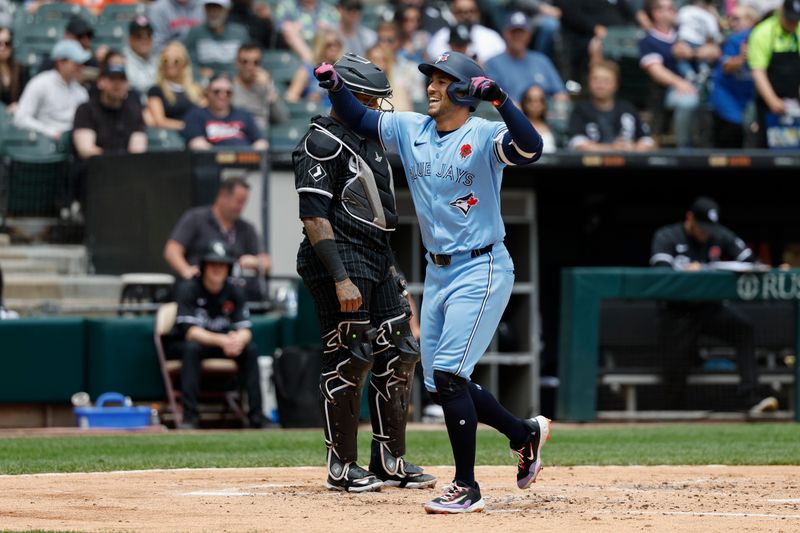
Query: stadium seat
[[61, 12], [284, 137], [304, 109], [112, 34], [276, 59], [120, 13], [30, 57], [41, 36], [164, 140], [622, 41]]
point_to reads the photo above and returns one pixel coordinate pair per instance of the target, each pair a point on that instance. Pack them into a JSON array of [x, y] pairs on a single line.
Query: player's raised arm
[[346, 107], [521, 144]]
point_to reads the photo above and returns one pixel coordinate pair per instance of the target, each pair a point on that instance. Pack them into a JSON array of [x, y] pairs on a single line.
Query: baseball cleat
[[530, 454], [354, 479], [457, 498], [408, 476]]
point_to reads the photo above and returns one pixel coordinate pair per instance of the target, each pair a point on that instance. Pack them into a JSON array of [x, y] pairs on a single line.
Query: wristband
[[329, 255]]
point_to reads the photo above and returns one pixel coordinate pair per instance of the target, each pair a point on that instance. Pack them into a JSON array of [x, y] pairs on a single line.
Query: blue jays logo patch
[[465, 203], [442, 58]]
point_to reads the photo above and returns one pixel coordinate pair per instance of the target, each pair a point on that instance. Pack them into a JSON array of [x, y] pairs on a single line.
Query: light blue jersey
[[454, 180], [455, 184]]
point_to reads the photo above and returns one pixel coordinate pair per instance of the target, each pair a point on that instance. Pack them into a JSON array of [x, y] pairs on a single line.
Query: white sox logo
[[317, 172], [465, 203]]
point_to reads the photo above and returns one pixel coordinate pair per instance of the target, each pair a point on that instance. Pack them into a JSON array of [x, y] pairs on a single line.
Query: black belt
[[444, 259]]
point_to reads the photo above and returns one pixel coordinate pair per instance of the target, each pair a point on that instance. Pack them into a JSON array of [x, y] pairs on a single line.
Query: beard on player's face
[[439, 103]]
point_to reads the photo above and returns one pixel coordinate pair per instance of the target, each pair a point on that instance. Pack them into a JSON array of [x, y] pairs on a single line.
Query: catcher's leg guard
[[346, 361], [396, 355]]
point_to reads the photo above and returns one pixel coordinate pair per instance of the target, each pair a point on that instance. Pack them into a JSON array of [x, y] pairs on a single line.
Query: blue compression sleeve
[[356, 115], [522, 132]]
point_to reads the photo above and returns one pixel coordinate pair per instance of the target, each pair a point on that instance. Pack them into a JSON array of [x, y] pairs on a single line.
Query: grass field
[[678, 444]]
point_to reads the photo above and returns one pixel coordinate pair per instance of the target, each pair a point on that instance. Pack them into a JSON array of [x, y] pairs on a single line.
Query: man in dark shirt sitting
[[604, 122], [213, 321], [698, 240], [110, 122], [221, 124]]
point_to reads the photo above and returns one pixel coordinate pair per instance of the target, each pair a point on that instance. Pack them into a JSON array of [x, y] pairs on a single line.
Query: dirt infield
[[661, 498]]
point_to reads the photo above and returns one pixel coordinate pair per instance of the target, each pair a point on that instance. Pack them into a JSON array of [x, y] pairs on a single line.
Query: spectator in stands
[[406, 77], [213, 45], [356, 38], [732, 88], [300, 21], [112, 122], [763, 7], [327, 47], [172, 20], [773, 53], [256, 17], [221, 124], [661, 65], [586, 23], [460, 40], [80, 31], [253, 90], [220, 221], [383, 57], [5, 314], [48, 103], [605, 123], [546, 23], [141, 63], [697, 49], [533, 103], [213, 321], [518, 68], [484, 42], [433, 19], [689, 246], [413, 38], [175, 92], [13, 75]]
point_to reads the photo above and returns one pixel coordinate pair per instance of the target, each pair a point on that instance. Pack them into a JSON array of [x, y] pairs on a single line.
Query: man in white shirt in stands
[[48, 103], [484, 42]]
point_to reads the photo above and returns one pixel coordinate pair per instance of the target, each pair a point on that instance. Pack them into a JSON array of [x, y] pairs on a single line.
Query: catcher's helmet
[[463, 69], [217, 252], [362, 76]]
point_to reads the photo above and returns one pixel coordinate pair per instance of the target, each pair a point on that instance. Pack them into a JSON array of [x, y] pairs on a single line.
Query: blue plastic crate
[[121, 416]]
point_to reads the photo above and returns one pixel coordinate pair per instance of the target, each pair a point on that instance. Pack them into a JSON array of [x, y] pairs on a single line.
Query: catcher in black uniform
[[348, 209]]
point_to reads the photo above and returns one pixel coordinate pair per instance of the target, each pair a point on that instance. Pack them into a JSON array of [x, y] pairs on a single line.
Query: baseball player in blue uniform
[[454, 166]]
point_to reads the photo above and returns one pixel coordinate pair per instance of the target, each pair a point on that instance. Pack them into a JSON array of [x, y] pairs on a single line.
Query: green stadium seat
[[120, 13], [276, 59], [304, 109], [41, 36], [622, 42], [164, 140], [61, 12], [284, 137], [112, 34], [30, 57]]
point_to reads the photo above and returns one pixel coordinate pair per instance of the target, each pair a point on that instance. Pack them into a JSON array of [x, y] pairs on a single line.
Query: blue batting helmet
[[463, 69]]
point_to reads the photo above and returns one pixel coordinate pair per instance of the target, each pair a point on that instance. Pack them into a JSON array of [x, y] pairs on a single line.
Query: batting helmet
[[217, 252], [362, 76], [463, 69]]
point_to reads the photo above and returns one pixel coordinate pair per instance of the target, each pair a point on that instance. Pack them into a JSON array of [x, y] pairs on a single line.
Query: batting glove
[[487, 89], [328, 78]]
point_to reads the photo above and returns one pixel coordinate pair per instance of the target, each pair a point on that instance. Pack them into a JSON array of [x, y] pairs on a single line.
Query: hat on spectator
[[78, 27], [351, 4], [140, 23], [114, 70], [459, 34], [791, 10], [518, 20], [224, 3], [71, 50], [706, 212]]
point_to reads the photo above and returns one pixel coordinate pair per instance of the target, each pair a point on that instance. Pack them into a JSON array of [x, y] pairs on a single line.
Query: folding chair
[[215, 369]]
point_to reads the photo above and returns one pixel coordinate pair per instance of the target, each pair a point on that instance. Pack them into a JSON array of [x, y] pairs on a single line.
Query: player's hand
[[349, 296], [487, 89], [327, 76]]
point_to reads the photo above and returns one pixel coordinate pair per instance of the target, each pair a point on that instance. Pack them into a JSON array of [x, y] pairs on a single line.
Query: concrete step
[[42, 287], [29, 266], [67, 259]]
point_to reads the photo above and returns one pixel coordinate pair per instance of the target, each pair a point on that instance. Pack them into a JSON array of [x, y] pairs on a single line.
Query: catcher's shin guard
[[346, 361], [396, 355]]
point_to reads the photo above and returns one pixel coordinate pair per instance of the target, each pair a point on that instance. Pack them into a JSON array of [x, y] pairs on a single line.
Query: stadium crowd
[[105, 76]]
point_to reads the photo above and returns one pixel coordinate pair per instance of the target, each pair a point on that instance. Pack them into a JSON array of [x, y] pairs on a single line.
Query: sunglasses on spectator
[[5, 43], [222, 92], [333, 44], [173, 61], [465, 11], [249, 61]]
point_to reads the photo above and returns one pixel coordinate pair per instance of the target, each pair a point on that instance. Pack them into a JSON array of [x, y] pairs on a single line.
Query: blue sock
[[462, 423], [492, 413]]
